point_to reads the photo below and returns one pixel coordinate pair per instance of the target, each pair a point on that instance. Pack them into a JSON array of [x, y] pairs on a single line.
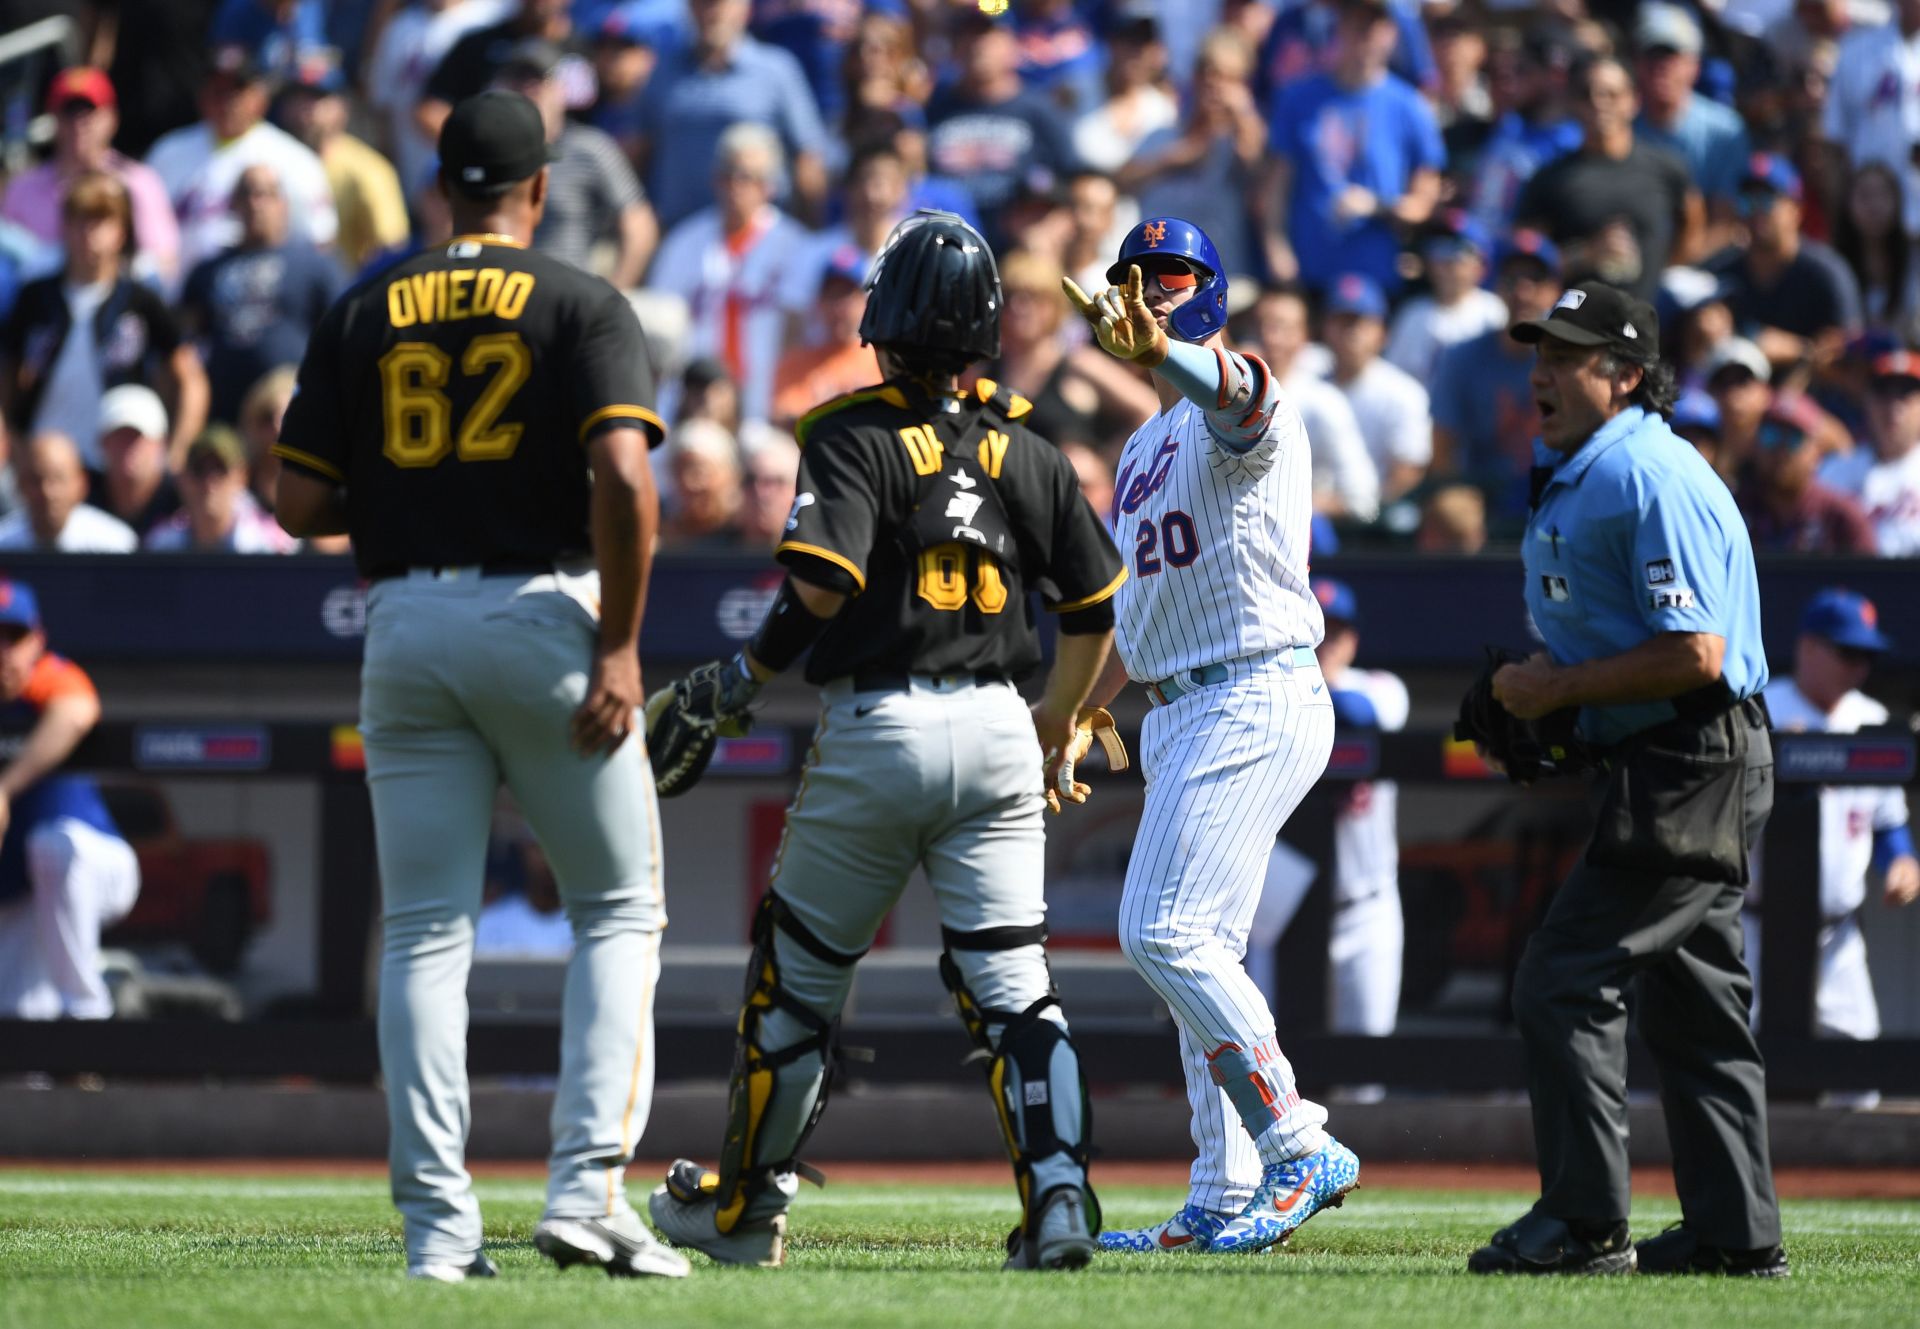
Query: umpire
[[478, 419], [1640, 578]]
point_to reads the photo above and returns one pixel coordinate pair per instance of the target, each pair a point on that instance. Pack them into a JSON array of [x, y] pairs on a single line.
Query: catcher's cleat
[[1288, 1195], [685, 1211], [622, 1246], [436, 1271], [1189, 1230], [1061, 1239]]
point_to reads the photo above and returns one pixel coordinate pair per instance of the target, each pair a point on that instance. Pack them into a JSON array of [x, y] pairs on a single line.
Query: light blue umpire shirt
[[1636, 535]]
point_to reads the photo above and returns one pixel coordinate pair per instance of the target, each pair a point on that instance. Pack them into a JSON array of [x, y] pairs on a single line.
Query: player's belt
[[503, 567], [1169, 689], [891, 682]]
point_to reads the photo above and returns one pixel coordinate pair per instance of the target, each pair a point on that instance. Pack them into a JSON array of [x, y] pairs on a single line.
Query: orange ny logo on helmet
[[1154, 232]]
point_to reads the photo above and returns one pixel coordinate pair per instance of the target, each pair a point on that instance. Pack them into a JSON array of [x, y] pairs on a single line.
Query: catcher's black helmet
[[934, 289]]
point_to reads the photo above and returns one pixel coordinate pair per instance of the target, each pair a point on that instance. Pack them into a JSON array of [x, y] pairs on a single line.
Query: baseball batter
[[926, 513], [478, 419], [1368, 934], [1861, 828], [1212, 507]]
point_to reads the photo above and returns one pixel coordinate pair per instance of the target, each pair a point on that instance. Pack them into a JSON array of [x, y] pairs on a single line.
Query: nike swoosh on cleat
[[1286, 1206], [1170, 1242]]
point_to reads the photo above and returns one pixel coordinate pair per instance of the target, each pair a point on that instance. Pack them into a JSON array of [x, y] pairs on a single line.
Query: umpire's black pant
[[1680, 939]]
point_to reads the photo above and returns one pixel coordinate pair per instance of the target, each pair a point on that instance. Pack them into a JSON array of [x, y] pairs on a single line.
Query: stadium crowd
[[1389, 183]]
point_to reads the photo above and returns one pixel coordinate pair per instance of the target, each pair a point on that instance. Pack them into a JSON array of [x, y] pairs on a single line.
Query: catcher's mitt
[[1093, 722], [687, 718], [1529, 750]]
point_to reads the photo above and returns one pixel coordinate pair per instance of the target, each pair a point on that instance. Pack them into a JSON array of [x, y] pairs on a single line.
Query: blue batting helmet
[[1172, 237]]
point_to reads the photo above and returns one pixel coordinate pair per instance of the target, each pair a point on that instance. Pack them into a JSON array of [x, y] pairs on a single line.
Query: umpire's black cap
[[491, 142], [1596, 314]]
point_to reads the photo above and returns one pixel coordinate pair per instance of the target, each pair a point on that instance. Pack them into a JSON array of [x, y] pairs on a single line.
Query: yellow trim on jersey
[[625, 411], [984, 388], [308, 460], [841, 560], [487, 238], [1017, 406], [1104, 593], [892, 396]]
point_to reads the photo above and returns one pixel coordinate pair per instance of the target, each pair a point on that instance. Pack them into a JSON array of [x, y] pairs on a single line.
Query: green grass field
[[103, 1251]]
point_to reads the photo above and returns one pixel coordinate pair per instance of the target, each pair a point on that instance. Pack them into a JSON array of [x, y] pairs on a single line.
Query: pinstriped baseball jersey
[[1215, 542], [1366, 845]]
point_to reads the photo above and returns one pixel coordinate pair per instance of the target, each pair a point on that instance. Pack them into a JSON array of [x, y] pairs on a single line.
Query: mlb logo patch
[[1036, 1094], [1660, 572], [1571, 300], [1556, 588]]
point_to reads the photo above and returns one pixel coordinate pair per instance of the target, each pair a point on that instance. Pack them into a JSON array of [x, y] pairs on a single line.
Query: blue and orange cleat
[[1288, 1195], [1189, 1230]]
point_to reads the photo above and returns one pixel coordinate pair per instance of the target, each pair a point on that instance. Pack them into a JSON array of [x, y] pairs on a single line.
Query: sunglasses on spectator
[[1778, 434]]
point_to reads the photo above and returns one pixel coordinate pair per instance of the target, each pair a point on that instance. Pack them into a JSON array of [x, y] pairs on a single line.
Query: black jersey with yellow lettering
[[454, 395], [939, 516]]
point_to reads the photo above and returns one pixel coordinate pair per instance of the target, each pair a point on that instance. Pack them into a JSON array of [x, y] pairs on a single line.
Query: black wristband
[[787, 631]]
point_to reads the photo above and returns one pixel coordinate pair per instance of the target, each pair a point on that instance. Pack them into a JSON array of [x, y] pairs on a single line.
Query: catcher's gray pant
[[468, 681], [946, 777]]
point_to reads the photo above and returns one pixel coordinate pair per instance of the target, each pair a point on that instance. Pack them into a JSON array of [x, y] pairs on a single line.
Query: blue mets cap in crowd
[[1696, 410], [1529, 243], [1336, 600], [1355, 293], [1845, 618], [847, 262], [19, 607], [1456, 228], [1771, 172]]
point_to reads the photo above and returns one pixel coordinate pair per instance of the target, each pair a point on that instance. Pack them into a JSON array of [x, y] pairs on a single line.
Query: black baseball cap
[[492, 141], [1596, 314]]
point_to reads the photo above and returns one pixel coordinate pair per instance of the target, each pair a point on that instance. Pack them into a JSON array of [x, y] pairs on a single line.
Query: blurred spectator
[[1389, 403], [810, 375], [65, 873], [592, 192], [409, 50], [136, 486], [1453, 520], [708, 392], [1873, 103], [1461, 105], [704, 463], [1527, 82], [733, 264], [156, 55], [1205, 168], [1077, 391], [727, 78], [768, 479], [818, 35], [254, 306], [367, 197], [1484, 416], [880, 72], [1138, 101], [1740, 380], [991, 133], [1356, 152], [261, 411], [1304, 38], [54, 516], [627, 47], [1457, 308], [1885, 477], [1059, 54], [1869, 236], [1793, 297], [1620, 210], [473, 62], [86, 117], [1788, 510], [1696, 418], [279, 35], [217, 514], [1345, 483], [53, 379], [908, 137], [1709, 137], [1098, 218], [875, 198], [1095, 474], [201, 164]]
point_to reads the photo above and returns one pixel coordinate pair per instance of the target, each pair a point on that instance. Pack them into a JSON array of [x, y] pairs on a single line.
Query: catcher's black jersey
[[886, 509], [453, 396]]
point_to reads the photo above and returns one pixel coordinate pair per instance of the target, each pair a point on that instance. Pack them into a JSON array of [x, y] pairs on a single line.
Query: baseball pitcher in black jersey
[[927, 519], [478, 420]]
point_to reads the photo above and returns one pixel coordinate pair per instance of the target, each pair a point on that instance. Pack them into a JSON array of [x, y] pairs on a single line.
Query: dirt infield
[[1793, 1183]]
